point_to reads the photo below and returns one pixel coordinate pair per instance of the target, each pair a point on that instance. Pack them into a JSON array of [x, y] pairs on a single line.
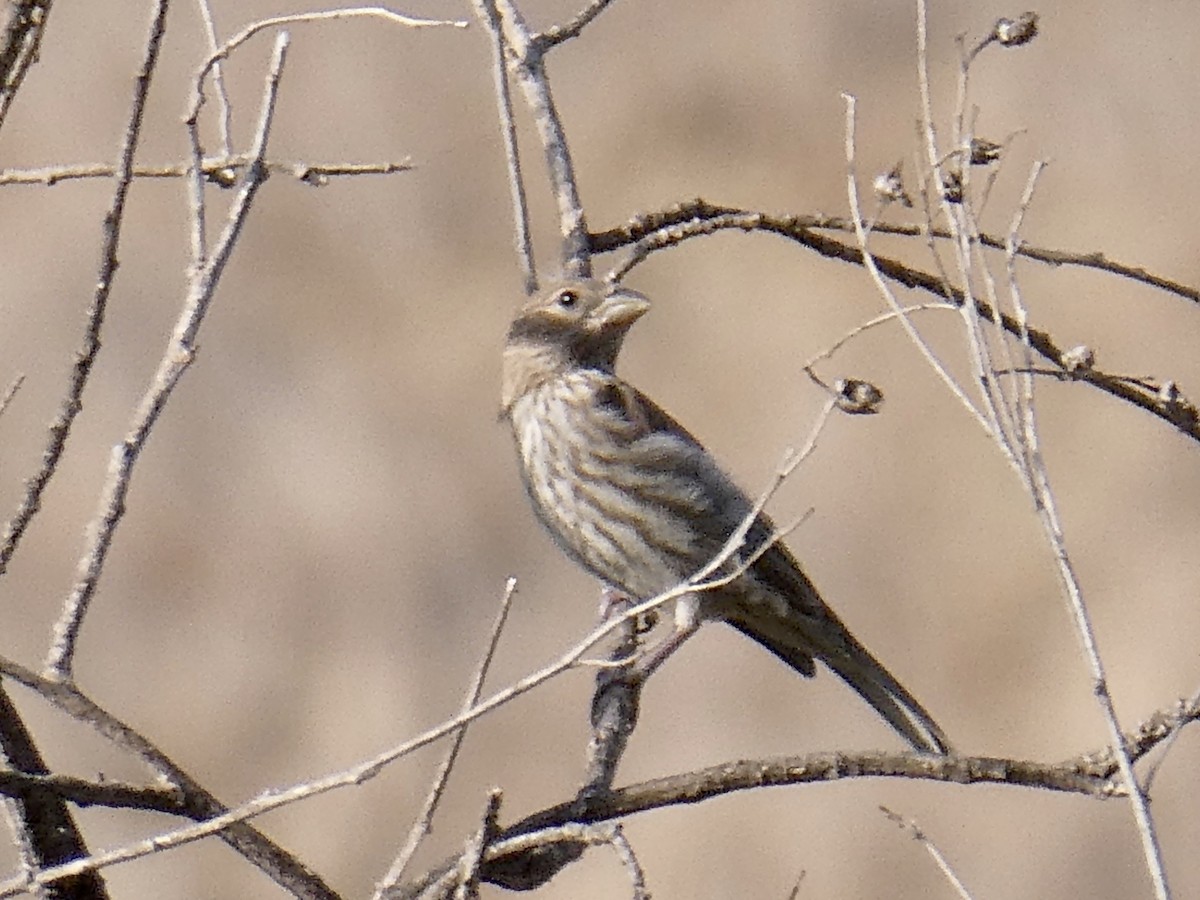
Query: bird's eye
[[568, 299]]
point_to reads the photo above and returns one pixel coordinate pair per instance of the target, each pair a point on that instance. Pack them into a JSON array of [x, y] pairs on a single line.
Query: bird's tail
[[824, 637]]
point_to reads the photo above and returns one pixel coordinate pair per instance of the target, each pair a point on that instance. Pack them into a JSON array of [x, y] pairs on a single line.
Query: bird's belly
[[600, 508]]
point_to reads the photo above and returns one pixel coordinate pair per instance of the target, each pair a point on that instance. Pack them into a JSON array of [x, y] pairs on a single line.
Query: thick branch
[[512, 863], [47, 830], [187, 798]]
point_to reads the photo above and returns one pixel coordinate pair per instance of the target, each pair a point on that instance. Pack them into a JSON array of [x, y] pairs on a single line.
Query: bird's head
[[572, 324]]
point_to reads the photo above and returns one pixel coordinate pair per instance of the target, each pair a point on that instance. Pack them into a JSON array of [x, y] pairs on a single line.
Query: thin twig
[[922, 838], [42, 823], [1009, 407], [886, 292], [951, 210], [487, 13], [85, 357], [1153, 768], [109, 794], [13, 387], [791, 460], [1047, 512], [528, 64], [177, 358], [424, 819], [225, 109], [327, 15], [629, 860], [26, 24], [219, 170], [556, 34], [468, 869], [881, 319]]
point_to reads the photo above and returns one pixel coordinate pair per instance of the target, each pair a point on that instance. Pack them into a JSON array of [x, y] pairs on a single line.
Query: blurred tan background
[[322, 524]]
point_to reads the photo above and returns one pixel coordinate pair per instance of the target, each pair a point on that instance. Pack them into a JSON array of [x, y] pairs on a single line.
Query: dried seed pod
[[952, 187], [857, 397], [984, 151], [1079, 359], [889, 187], [1018, 31]]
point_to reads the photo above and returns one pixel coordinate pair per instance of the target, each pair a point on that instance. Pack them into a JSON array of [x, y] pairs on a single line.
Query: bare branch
[[26, 23], [176, 360], [221, 170], [700, 219], [880, 319], [617, 697], [327, 15], [468, 869], [186, 797], [557, 34], [868, 260], [528, 63], [1046, 507], [624, 851], [914, 829], [641, 226], [1090, 774], [85, 357], [225, 113], [45, 829], [11, 392], [424, 819], [487, 13]]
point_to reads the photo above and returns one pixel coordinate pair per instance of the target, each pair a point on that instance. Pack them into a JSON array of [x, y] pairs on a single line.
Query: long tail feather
[[855, 665]]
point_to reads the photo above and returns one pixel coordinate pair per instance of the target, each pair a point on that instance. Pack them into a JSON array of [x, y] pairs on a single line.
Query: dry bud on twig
[[1079, 359], [1016, 32], [984, 151], [889, 187], [857, 397], [952, 187]]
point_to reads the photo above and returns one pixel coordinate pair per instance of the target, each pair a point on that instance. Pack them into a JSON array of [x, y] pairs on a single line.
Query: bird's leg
[[688, 618], [614, 603]]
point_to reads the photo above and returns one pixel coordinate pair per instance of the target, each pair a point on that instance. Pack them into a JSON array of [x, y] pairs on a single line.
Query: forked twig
[[424, 819]]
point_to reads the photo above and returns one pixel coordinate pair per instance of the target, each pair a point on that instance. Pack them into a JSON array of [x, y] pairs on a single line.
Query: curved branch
[[659, 230], [186, 797], [643, 225], [532, 850]]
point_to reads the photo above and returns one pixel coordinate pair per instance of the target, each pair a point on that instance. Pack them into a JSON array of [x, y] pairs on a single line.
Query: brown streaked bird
[[632, 497]]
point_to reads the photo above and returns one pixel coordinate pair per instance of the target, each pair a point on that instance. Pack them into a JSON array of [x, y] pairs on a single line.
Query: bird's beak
[[621, 308]]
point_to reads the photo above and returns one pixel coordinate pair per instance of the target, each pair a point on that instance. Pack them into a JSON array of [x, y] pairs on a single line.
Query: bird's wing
[[809, 628], [726, 503]]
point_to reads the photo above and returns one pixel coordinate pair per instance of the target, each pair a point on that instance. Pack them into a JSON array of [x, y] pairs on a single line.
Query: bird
[[632, 497]]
